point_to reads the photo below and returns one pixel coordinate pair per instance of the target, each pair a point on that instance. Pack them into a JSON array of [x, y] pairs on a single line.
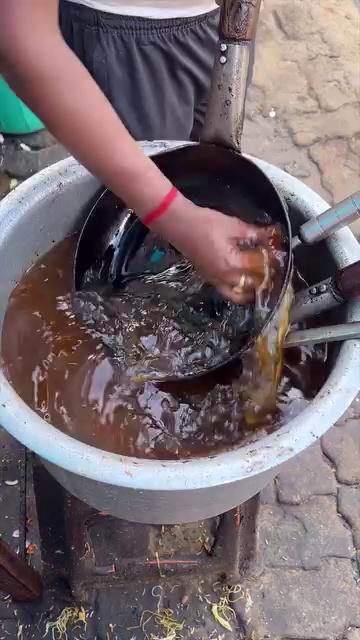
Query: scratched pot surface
[[70, 377]]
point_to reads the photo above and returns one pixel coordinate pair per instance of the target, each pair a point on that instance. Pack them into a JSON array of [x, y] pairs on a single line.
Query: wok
[[212, 174]]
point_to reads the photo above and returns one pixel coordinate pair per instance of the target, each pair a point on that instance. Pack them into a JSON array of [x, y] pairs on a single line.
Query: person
[[102, 73]]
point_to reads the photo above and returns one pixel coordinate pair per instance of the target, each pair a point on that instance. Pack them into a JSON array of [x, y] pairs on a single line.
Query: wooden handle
[[239, 19], [348, 281]]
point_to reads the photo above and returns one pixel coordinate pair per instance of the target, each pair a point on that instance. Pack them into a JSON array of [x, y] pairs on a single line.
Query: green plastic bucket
[[15, 117]]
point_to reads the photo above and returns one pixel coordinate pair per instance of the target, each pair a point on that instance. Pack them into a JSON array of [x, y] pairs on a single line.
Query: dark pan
[[212, 174]]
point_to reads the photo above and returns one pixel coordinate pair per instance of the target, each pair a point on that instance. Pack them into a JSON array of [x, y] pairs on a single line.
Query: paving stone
[[268, 138], [301, 536], [24, 163], [349, 507], [295, 20], [304, 68], [295, 97], [342, 446], [305, 130], [5, 183], [307, 604], [281, 538], [12, 464], [356, 566], [268, 495], [10, 630], [354, 144], [305, 475], [329, 155], [331, 81], [352, 413], [6, 608], [325, 533], [37, 140]]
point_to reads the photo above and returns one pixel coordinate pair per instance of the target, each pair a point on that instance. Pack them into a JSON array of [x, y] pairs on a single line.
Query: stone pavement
[[309, 528], [303, 108]]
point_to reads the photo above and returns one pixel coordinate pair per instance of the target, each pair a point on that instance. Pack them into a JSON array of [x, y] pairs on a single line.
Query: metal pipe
[[328, 222], [334, 333]]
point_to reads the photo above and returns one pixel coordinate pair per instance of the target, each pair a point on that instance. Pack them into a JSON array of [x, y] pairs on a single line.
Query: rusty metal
[[108, 552], [348, 281], [17, 578]]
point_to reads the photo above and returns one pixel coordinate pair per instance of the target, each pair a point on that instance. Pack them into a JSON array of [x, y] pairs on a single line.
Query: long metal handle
[[330, 221], [226, 106], [334, 333]]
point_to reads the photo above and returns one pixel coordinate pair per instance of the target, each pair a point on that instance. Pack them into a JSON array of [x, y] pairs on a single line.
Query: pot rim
[[268, 452]]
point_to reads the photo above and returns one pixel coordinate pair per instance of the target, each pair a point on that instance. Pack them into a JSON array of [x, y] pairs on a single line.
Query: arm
[[45, 73]]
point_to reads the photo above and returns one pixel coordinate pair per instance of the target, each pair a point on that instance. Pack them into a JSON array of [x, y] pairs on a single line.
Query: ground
[[303, 115]]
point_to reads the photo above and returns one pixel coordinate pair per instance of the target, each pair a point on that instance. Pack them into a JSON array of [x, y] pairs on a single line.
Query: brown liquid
[[72, 380]]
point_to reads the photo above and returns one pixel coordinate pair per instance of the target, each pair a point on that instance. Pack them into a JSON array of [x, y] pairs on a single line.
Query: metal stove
[[118, 569]]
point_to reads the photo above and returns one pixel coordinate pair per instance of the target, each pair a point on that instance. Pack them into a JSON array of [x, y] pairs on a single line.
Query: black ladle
[[212, 174]]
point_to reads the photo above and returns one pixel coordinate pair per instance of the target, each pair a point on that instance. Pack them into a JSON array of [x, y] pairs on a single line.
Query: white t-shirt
[[158, 9]]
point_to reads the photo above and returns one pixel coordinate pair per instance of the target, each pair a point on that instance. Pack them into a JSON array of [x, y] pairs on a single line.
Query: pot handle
[[328, 294], [347, 281], [226, 106], [238, 20]]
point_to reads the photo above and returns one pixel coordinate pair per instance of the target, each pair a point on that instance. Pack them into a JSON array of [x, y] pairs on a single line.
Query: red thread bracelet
[[161, 208]]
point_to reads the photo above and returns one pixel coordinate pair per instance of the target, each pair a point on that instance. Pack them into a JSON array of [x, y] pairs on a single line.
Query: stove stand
[[107, 552]]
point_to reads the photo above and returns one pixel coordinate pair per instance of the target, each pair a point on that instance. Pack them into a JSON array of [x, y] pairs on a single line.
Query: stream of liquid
[[71, 377]]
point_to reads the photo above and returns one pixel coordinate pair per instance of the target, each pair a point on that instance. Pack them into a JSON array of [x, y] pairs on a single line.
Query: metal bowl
[[53, 204]]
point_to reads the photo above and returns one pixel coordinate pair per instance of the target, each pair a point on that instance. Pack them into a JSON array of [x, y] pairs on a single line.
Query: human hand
[[230, 254]]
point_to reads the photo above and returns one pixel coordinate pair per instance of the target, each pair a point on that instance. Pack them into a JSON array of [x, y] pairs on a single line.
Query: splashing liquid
[[71, 378]]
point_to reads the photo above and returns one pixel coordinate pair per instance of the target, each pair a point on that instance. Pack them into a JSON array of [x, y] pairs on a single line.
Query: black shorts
[[156, 73]]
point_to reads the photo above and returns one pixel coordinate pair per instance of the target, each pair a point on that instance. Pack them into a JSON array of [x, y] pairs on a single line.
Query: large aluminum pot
[[53, 204]]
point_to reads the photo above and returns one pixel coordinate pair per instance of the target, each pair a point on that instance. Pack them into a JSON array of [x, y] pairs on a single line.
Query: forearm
[[52, 81]]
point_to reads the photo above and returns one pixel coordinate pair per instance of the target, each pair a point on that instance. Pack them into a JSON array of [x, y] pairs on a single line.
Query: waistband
[[132, 24]]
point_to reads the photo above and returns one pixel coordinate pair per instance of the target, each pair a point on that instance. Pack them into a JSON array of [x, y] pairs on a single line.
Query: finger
[[247, 283], [238, 297], [267, 235], [254, 261], [244, 279]]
